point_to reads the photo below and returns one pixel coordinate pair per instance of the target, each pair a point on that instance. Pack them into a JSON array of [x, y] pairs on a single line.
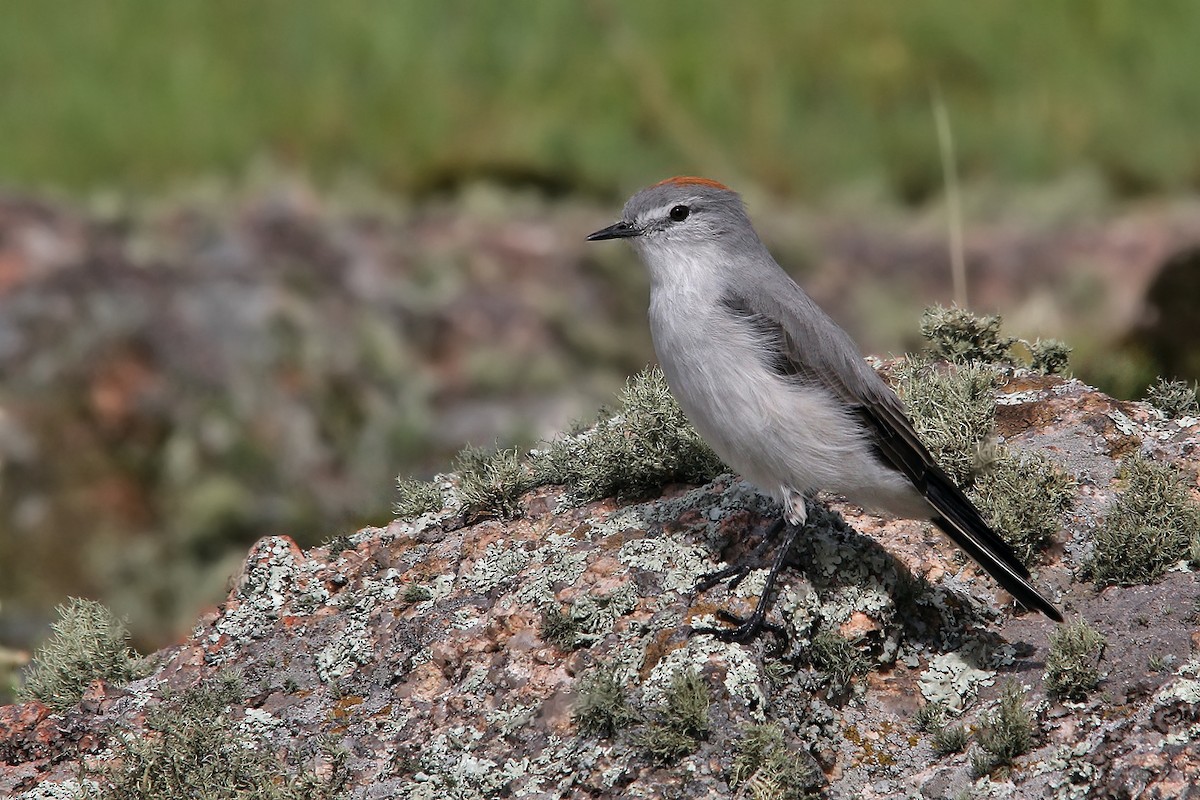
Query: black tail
[[961, 521], [898, 444]]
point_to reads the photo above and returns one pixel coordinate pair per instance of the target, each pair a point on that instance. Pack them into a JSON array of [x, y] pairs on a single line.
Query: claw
[[744, 566], [736, 572], [747, 628]]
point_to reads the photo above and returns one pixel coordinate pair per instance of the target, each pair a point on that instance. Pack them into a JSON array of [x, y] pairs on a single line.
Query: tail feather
[[961, 521]]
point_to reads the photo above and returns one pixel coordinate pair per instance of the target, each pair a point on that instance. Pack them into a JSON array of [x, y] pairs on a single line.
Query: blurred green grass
[[605, 95]]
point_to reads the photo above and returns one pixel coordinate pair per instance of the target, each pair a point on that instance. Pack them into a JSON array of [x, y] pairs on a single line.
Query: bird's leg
[[746, 628], [738, 570]]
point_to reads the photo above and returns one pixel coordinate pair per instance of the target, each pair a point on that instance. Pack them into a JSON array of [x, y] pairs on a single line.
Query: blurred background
[[257, 259]]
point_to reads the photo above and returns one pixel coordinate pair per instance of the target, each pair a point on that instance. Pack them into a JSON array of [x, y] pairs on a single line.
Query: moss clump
[[957, 335], [1024, 496], [415, 498], [560, 629], [1072, 666], [490, 483], [416, 593], [601, 708], [88, 643], [953, 410], [645, 445], [196, 749], [1049, 356], [838, 659], [765, 769], [1004, 734], [678, 726], [930, 717], [1152, 524], [338, 545], [949, 739], [1174, 398], [945, 739]]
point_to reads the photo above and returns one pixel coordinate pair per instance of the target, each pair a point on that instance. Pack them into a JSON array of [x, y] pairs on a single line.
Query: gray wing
[[804, 344]]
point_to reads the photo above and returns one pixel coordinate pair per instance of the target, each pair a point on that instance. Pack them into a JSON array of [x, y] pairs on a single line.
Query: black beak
[[621, 230]]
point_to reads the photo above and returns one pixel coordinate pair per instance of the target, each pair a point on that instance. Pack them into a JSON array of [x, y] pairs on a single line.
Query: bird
[[780, 391]]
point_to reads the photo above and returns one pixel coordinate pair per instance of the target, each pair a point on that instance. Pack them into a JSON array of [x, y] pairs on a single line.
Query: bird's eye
[[680, 213]]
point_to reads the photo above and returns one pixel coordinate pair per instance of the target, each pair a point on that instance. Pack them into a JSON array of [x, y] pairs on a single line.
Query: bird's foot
[[737, 572], [745, 628]]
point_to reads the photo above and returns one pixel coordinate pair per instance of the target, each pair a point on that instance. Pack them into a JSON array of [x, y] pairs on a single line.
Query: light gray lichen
[[499, 563], [953, 679], [273, 577], [345, 651], [557, 565], [680, 564], [743, 679], [70, 789], [595, 614]]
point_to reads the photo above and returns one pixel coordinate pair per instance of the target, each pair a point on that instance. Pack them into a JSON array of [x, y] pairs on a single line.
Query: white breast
[[786, 439]]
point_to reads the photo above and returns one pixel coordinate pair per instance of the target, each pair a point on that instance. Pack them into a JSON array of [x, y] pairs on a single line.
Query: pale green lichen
[[69, 789], [1072, 665], [511, 720], [1024, 497], [1186, 689], [847, 573], [764, 768], [1153, 523], [1004, 734], [550, 566], [88, 643], [743, 679], [464, 619], [677, 726], [958, 335], [1174, 399], [594, 613], [344, 653], [448, 768], [354, 646], [587, 619], [1070, 773], [680, 564], [273, 574], [954, 412], [953, 679], [645, 445], [500, 562]]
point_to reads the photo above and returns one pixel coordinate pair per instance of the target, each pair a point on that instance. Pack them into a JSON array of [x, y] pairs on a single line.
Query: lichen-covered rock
[[550, 655]]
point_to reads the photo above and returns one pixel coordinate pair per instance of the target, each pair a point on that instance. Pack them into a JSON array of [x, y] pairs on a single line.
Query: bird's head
[[677, 223]]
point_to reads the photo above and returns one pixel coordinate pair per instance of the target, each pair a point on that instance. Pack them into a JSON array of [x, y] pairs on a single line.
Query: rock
[[446, 659]]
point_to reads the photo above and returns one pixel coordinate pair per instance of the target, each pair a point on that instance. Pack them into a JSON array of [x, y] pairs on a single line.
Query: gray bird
[[778, 390]]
